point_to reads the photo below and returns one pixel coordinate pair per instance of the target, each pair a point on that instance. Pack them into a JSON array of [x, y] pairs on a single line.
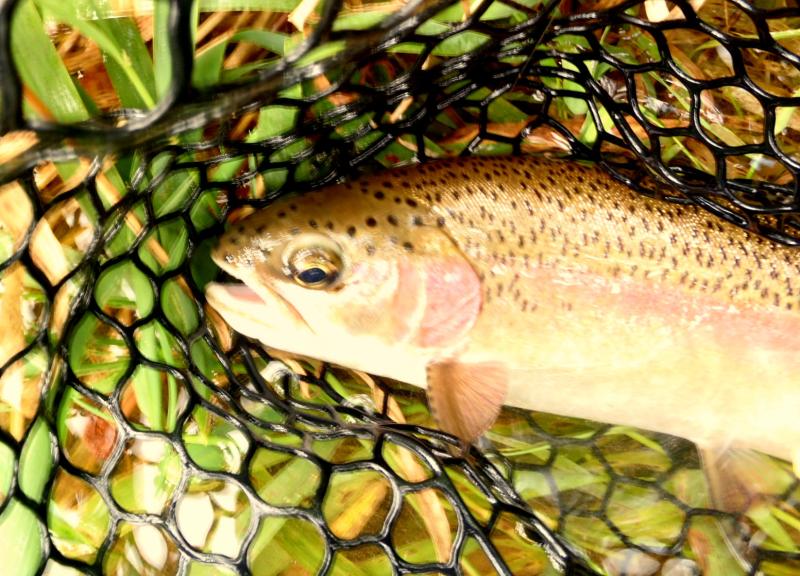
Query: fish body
[[536, 283]]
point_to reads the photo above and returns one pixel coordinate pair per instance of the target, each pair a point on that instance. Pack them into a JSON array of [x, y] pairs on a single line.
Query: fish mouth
[[255, 314]]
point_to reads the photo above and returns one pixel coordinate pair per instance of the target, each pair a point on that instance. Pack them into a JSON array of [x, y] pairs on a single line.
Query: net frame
[[772, 213]]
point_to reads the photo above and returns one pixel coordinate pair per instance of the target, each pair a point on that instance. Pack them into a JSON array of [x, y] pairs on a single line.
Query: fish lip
[[220, 304], [289, 306]]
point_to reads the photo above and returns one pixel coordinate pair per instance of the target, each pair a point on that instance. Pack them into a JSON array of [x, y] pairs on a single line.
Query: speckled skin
[[605, 304]]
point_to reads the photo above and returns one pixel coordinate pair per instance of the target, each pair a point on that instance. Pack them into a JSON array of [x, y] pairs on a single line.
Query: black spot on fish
[[440, 221], [281, 214], [387, 184], [313, 224], [293, 207], [408, 246], [371, 222], [411, 202], [241, 229], [370, 250], [329, 225], [379, 195], [260, 228], [417, 221], [392, 219], [351, 231], [397, 200]]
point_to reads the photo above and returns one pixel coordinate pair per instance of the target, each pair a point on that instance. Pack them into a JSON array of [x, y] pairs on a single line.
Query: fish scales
[[560, 215], [598, 301], [550, 212]]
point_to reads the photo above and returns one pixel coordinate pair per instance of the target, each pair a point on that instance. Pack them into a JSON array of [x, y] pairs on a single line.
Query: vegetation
[[136, 242]]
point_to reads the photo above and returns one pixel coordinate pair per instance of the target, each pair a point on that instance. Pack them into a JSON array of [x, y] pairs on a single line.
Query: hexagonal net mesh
[[138, 435]]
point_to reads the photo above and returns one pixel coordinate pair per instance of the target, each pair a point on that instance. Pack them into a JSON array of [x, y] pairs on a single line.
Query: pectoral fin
[[466, 398]]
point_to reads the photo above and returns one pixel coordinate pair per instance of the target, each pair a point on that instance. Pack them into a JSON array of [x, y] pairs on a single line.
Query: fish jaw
[[255, 316], [270, 319]]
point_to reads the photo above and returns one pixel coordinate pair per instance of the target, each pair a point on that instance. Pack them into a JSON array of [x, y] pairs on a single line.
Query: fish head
[[367, 280]]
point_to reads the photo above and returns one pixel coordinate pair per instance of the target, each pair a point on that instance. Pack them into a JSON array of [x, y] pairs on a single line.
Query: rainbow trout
[[540, 284]]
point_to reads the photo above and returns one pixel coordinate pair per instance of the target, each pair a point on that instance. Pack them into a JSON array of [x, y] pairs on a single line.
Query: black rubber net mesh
[[138, 435]]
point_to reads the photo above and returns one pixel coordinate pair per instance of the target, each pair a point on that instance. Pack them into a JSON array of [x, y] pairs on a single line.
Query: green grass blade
[[126, 33], [40, 67], [65, 13], [36, 461], [20, 540], [272, 41], [208, 66], [162, 54]]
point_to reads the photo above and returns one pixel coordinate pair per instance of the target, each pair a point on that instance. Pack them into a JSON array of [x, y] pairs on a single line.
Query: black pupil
[[313, 275]]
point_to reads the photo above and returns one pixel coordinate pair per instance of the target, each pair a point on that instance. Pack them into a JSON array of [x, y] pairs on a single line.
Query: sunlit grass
[[82, 59]]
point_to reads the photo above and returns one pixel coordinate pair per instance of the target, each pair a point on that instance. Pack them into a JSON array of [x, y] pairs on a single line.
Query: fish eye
[[316, 265], [313, 275]]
